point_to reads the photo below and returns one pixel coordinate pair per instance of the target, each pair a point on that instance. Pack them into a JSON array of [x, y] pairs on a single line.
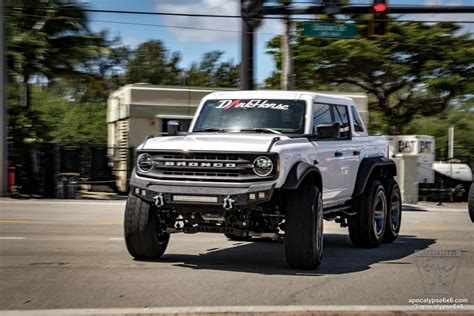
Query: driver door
[[326, 155]]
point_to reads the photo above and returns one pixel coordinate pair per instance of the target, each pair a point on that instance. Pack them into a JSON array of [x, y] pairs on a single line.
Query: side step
[[333, 212]]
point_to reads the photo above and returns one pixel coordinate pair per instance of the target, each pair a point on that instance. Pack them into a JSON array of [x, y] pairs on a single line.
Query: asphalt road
[[71, 254]]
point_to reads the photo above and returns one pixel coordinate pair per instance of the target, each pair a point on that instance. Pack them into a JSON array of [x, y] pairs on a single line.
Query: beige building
[[138, 110]]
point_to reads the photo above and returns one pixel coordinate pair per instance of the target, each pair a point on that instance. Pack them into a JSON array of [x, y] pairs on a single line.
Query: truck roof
[[274, 94]]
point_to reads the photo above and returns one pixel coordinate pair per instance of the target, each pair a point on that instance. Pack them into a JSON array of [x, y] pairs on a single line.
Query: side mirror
[[173, 127], [329, 131]]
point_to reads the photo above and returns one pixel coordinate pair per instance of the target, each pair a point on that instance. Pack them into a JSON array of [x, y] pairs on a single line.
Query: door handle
[[338, 154], [356, 152]]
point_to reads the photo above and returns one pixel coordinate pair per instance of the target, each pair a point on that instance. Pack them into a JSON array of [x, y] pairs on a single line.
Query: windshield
[[259, 115]]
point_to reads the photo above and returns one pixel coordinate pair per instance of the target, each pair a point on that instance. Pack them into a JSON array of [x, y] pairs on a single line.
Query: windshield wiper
[[219, 130], [261, 130]]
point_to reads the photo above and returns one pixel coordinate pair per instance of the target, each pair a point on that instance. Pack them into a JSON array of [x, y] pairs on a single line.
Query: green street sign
[[336, 30]]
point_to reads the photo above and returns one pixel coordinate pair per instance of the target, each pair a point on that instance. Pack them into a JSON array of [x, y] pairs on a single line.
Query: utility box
[[407, 165]]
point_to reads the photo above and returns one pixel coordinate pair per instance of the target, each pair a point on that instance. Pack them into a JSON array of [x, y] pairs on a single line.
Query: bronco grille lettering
[[200, 164]]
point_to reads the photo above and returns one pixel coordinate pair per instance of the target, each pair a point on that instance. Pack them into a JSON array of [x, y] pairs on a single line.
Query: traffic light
[[379, 25], [252, 8]]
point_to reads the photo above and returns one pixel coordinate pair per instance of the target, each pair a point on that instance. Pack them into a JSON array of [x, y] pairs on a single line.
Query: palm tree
[[48, 39]]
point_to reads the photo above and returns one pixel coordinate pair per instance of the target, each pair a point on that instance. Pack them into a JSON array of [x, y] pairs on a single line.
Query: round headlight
[[262, 166], [144, 162]]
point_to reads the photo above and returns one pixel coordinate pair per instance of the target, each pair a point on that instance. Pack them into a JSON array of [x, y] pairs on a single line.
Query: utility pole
[[450, 142], [246, 65], [251, 11], [287, 76], [3, 108]]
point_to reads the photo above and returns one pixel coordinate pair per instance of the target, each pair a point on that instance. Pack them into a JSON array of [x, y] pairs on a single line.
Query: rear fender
[[374, 167]]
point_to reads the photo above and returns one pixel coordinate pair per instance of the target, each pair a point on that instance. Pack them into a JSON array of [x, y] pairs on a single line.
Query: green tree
[[48, 39], [152, 63], [83, 123], [459, 116], [211, 72], [53, 118], [106, 73], [418, 69]]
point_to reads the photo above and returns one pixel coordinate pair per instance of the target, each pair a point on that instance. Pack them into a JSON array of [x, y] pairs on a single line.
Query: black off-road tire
[[142, 233], [394, 211], [304, 228], [471, 202], [238, 238], [366, 230]]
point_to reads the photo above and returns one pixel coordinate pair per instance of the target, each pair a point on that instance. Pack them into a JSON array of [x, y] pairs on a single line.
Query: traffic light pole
[[247, 66], [365, 9]]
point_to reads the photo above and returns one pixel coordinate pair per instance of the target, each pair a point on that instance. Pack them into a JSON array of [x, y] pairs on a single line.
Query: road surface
[[71, 254]]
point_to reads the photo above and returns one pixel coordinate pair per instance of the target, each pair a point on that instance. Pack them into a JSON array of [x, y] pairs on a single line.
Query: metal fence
[[58, 169]]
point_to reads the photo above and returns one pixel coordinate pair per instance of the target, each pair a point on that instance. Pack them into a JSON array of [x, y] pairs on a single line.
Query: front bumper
[[176, 194]]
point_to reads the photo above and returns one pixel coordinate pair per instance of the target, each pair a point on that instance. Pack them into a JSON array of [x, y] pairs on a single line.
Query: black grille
[[205, 167]]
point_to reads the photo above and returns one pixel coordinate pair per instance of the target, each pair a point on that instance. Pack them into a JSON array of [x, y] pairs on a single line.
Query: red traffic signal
[[380, 7], [378, 26]]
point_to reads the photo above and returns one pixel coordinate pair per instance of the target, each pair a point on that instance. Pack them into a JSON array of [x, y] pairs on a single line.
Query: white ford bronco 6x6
[[264, 163]]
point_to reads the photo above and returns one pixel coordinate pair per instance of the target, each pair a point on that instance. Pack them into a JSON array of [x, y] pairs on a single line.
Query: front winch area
[[215, 201], [239, 222]]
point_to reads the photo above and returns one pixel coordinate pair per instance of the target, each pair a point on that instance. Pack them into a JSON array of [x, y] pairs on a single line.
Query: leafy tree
[[210, 72], [151, 63], [48, 39], [83, 123], [419, 69], [53, 118], [460, 117]]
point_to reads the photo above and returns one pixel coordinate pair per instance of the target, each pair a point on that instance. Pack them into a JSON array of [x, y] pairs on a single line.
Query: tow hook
[[159, 200], [228, 203]]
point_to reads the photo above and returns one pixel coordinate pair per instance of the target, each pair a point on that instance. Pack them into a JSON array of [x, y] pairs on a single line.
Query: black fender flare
[[299, 173], [383, 166]]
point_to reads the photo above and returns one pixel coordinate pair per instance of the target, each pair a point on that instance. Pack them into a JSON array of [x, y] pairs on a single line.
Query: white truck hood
[[222, 142]]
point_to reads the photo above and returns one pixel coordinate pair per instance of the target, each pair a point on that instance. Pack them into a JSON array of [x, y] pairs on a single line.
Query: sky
[[194, 43]]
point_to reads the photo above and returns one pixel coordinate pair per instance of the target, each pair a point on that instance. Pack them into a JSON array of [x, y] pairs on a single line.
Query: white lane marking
[[12, 238], [59, 202], [116, 238], [221, 309]]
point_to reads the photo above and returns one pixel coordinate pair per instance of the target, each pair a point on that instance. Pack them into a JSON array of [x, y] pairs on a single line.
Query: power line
[[194, 15], [381, 40], [299, 19]]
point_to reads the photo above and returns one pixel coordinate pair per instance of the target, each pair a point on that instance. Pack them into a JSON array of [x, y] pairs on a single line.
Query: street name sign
[[335, 30]]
